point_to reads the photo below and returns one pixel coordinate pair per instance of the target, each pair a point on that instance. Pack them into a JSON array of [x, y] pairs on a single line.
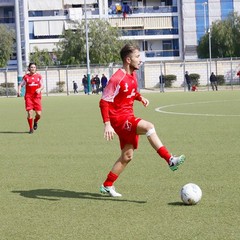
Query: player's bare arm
[[20, 87]]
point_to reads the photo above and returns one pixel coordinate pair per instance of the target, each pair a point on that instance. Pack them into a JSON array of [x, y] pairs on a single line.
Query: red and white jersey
[[32, 83], [119, 95]]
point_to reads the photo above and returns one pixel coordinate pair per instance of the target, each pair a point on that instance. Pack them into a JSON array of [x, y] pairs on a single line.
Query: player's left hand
[[145, 102]]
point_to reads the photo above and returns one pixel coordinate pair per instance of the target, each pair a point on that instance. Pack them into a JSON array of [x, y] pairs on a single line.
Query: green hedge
[[220, 79], [169, 79], [9, 85], [60, 85], [8, 91], [194, 78]]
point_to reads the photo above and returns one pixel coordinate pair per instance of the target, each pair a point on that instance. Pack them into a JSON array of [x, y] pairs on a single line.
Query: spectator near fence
[[93, 84], [97, 80], [213, 81], [75, 87], [162, 82], [103, 82], [85, 84], [188, 81]]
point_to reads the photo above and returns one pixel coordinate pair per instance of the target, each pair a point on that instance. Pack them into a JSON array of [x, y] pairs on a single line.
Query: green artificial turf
[[50, 180]]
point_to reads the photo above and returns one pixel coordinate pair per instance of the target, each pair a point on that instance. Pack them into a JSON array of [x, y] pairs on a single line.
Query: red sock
[[163, 153], [30, 123], [111, 178], [37, 118]]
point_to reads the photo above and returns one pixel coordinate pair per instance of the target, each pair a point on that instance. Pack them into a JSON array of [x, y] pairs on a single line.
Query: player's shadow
[[12, 132], [58, 194]]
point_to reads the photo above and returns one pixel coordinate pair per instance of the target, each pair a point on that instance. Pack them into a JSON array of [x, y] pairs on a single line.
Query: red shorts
[[126, 129], [33, 103]]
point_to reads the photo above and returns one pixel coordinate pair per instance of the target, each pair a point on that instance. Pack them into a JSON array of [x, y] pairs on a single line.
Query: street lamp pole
[[210, 49], [209, 41], [205, 20], [87, 47], [18, 41]]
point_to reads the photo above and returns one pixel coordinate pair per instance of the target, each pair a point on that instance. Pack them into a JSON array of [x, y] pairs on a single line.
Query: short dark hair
[[127, 50], [31, 63]]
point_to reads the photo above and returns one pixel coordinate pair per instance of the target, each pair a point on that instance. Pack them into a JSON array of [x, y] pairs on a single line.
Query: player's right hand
[[145, 102], [109, 132]]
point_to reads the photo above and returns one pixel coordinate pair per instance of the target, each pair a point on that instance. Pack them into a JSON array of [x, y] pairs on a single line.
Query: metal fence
[[59, 80]]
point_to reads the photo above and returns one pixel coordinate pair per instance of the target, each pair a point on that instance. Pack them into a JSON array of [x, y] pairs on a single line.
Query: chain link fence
[[59, 80]]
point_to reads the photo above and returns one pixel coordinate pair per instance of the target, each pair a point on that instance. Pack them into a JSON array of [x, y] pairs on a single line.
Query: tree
[[6, 47], [224, 39], [41, 57], [104, 44]]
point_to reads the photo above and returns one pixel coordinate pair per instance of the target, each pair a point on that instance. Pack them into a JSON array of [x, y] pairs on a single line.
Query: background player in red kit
[[117, 112], [34, 85]]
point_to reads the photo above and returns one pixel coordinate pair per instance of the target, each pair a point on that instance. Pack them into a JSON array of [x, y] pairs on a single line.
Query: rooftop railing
[[112, 11]]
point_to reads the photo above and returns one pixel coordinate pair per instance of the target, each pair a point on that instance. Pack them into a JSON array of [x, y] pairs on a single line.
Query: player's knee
[[30, 114], [127, 157], [38, 115], [150, 130]]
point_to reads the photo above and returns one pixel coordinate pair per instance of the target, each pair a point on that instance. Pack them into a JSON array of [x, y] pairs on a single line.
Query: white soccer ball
[[191, 194]]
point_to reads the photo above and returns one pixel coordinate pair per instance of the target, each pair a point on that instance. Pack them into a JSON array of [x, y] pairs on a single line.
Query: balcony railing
[[112, 11], [162, 53], [150, 32], [149, 9], [5, 20]]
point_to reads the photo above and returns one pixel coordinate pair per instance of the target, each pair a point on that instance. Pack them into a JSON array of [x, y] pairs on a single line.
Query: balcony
[[149, 32], [7, 20], [148, 9], [112, 11], [162, 53]]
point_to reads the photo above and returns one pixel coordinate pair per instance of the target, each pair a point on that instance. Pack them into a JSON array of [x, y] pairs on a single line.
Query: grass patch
[[50, 179]]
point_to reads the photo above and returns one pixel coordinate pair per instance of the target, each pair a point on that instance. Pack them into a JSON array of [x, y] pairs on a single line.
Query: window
[[167, 45]]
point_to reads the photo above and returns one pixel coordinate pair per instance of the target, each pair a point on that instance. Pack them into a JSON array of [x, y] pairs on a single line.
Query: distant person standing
[[93, 84], [238, 74], [34, 86], [103, 81], [97, 80], [162, 82], [188, 81], [75, 87], [213, 81], [85, 84]]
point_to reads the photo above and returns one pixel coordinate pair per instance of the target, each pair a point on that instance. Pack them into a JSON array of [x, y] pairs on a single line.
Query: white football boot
[[110, 190]]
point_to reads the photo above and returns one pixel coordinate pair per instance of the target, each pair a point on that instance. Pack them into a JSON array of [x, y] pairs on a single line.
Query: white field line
[[160, 109]]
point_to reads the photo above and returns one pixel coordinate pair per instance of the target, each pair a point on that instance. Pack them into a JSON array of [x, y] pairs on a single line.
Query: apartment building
[[164, 29]]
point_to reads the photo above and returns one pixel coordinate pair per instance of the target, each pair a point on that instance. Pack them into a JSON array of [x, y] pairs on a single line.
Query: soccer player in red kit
[[34, 85], [116, 107]]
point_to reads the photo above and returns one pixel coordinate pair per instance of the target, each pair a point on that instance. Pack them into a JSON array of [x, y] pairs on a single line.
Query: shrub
[[60, 85], [8, 84], [169, 79], [8, 91], [195, 78], [220, 79]]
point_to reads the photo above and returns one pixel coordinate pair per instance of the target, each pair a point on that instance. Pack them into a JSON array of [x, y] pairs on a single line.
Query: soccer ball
[[191, 194]]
